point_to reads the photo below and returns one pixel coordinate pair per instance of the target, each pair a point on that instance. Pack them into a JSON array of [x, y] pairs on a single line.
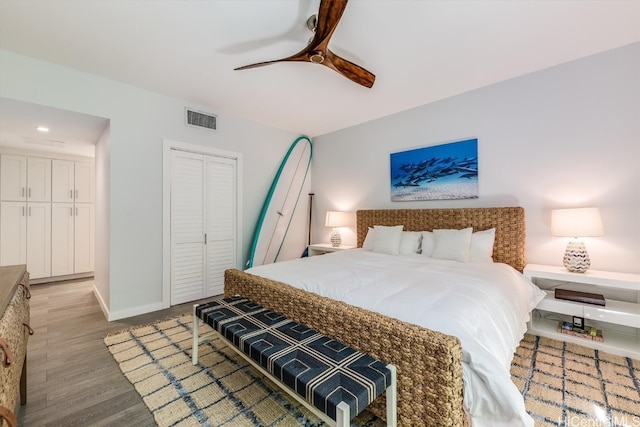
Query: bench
[[331, 379]]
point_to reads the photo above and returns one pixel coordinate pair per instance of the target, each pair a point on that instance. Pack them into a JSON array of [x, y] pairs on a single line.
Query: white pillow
[[482, 245], [428, 243], [410, 242], [452, 244], [387, 239], [367, 245]]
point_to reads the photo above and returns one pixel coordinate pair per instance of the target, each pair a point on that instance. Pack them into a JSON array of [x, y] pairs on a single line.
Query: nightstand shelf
[[615, 342], [323, 248], [623, 340]]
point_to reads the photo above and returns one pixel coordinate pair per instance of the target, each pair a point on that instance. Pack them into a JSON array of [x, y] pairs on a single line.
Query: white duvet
[[485, 305]]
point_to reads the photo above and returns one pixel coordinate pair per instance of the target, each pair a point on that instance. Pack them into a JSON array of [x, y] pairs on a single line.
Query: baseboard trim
[[123, 314], [133, 311], [103, 306], [53, 279]]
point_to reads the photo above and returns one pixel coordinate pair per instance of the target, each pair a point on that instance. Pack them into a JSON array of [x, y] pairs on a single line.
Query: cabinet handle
[[71, 194], [70, 211], [27, 292], [7, 415], [29, 192], [76, 194], [76, 211], [205, 238], [8, 354], [22, 191], [26, 325]]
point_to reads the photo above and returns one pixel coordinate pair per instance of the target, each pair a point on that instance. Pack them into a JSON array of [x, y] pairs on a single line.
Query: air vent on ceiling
[[200, 119], [40, 141]]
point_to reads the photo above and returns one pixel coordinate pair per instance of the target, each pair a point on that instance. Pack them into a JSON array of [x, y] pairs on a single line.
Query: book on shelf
[[584, 297], [588, 332]]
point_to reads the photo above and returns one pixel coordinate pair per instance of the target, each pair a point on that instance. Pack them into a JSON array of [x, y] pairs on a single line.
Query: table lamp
[[579, 222], [337, 219]]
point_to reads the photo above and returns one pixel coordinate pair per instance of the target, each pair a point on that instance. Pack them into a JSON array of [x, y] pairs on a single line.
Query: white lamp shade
[[339, 219], [580, 222]]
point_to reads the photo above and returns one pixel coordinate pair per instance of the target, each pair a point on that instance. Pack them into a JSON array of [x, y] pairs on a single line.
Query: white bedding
[[485, 305]]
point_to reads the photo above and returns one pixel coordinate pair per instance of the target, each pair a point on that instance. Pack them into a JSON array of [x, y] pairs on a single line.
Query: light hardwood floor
[[72, 379]]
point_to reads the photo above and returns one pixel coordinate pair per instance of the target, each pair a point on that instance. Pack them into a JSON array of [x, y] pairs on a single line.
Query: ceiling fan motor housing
[[317, 57]]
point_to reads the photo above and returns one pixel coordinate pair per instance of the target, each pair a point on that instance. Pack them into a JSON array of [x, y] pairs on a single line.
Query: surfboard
[[280, 205]]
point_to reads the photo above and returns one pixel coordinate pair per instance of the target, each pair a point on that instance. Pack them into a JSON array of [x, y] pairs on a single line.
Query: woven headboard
[[509, 246]]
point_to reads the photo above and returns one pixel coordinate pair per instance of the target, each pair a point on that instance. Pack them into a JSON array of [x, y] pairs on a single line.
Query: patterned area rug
[[563, 384], [569, 385]]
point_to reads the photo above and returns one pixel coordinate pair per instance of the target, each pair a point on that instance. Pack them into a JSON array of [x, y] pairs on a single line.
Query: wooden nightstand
[[619, 320], [323, 248]]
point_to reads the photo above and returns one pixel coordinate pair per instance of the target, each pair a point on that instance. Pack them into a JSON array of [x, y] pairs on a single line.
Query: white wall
[[139, 120], [102, 231], [567, 136]]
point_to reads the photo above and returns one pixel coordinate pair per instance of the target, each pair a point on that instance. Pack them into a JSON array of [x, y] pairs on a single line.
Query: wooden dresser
[[14, 334]]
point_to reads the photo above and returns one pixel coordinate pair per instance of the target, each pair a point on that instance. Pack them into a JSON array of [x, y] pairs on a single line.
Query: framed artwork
[[439, 172]]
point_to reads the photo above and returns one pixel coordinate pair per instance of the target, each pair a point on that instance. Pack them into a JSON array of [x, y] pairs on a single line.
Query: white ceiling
[[420, 51], [69, 132]]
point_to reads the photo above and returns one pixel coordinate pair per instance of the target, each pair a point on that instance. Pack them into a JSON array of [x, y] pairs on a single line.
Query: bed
[[433, 368]]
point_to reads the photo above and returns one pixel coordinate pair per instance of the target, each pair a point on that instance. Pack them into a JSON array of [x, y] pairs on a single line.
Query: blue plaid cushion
[[323, 371]]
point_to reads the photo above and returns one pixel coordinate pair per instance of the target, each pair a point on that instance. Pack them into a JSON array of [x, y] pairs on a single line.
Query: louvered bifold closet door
[[187, 227], [221, 221]]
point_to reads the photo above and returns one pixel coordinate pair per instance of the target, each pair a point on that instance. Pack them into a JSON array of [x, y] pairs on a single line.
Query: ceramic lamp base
[[336, 239], [576, 259]]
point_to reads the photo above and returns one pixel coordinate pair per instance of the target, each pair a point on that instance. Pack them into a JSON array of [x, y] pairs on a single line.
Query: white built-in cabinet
[[13, 233], [84, 237], [203, 224], [62, 229], [72, 182], [25, 178], [72, 193], [72, 237], [47, 215], [39, 239]]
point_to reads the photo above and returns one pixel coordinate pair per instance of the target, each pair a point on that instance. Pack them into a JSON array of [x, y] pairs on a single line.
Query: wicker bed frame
[[429, 363]]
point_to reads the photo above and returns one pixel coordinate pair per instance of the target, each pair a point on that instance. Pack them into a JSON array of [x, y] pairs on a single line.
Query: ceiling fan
[[317, 51]]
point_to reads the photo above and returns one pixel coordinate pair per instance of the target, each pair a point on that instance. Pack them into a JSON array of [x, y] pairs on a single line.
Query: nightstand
[[323, 248], [619, 320]]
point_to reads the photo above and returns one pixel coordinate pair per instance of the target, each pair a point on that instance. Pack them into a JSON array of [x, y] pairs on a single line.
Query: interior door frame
[[167, 146]]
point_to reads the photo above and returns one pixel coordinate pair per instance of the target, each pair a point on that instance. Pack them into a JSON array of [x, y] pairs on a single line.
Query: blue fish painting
[[440, 172]]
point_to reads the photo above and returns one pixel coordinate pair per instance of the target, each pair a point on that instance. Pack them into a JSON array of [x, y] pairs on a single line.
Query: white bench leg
[[343, 413], [392, 398], [194, 347]]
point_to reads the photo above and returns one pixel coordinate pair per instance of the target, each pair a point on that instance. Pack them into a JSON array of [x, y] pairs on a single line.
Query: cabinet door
[[13, 177], [84, 237], [187, 227], [62, 240], [38, 179], [39, 239], [62, 185], [221, 221], [84, 183], [13, 229]]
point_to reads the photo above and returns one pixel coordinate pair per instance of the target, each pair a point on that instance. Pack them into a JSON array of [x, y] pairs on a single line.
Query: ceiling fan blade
[[329, 15], [348, 69], [300, 56], [256, 65]]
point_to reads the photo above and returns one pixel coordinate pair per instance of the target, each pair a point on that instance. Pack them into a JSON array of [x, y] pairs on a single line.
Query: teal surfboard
[[280, 204]]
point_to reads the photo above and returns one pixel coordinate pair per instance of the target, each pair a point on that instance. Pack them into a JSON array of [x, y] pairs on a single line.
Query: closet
[[46, 215], [203, 224], [72, 217], [25, 213]]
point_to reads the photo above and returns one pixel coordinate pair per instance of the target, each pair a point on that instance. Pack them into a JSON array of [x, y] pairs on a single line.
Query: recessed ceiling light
[[42, 128]]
